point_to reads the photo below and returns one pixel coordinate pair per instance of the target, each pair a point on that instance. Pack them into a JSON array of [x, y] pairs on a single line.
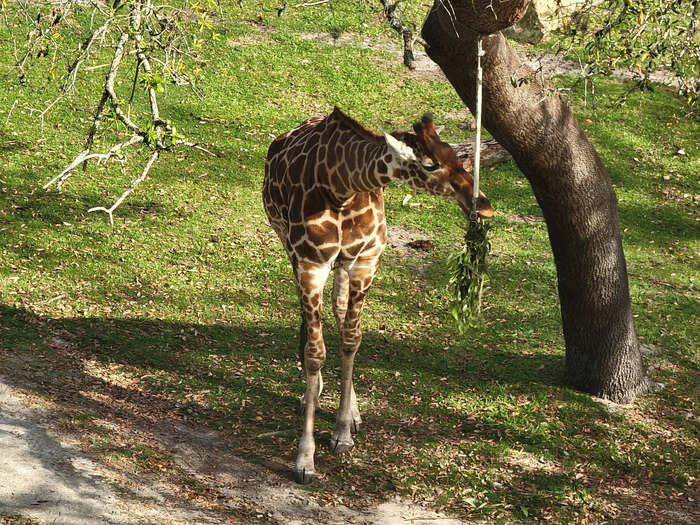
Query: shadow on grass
[[9, 143], [29, 201], [243, 381]]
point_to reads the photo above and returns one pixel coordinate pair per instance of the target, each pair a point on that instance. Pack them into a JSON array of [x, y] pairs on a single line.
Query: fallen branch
[[152, 39], [195, 146], [309, 4], [491, 153], [275, 433], [86, 155]]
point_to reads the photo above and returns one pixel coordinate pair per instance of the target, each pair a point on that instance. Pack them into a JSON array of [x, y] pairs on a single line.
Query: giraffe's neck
[[356, 161]]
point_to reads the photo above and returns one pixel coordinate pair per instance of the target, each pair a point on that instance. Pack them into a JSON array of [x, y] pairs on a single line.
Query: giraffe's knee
[[313, 364], [351, 339], [314, 357]]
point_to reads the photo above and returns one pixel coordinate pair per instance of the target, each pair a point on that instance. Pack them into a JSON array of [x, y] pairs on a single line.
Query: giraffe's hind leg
[[341, 293], [341, 296], [348, 417]]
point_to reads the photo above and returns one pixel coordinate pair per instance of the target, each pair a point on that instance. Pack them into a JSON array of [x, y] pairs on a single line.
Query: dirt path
[[44, 476], [548, 65]]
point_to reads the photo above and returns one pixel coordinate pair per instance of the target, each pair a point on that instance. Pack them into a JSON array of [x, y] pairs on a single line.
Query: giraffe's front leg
[[356, 424], [302, 347], [304, 471], [311, 283], [348, 418]]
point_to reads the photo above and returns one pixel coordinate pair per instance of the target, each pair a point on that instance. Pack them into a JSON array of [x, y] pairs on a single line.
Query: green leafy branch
[[157, 40], [468, 271]]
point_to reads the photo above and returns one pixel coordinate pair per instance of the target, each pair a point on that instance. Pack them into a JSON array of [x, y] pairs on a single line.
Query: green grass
[[187, 305]]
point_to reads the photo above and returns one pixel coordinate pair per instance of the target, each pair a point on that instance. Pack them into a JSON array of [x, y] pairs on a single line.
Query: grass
[[185, 310]]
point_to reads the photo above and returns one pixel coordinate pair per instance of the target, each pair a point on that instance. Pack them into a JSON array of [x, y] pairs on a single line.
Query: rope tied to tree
[[468, 266], [477, 136]]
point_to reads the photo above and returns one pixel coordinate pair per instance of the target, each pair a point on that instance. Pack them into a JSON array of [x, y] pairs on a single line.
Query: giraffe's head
[[425, 161]]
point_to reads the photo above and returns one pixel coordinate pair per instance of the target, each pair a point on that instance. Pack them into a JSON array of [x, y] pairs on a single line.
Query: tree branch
[[86, 155], [397, 24], [109, 211], [162, 45]]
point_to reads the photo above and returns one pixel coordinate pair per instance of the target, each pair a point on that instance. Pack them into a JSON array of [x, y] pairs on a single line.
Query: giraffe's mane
[[356, 127]]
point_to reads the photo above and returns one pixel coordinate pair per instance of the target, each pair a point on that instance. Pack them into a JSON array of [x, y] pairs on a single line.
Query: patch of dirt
[[407, 242], [249, 40], [523, 219], [422, 245], [427, 70], [47, 477]]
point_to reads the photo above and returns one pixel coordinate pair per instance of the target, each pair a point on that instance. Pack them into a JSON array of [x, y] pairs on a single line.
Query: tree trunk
[[574, 191]]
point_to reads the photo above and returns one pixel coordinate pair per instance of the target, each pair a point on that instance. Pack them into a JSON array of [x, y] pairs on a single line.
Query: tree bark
[[574, 191]]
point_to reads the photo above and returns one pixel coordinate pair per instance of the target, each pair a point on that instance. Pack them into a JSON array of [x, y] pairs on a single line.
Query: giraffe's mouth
[[483, 206]]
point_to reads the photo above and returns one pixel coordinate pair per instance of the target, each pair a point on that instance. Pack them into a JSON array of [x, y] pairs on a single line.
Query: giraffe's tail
[[302, 335]]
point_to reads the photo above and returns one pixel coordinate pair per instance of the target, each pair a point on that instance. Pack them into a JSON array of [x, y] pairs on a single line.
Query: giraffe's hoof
[[356, 426], [303, 475], [340, 445]]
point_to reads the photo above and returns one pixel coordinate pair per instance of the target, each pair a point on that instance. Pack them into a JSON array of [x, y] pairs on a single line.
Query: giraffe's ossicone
[[323, 195]]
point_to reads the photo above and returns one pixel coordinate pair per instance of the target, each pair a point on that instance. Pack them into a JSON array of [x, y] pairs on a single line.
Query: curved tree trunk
[[574, 191]]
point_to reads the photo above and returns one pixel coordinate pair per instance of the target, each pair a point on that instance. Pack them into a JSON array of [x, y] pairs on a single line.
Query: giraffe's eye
[[429, 165]]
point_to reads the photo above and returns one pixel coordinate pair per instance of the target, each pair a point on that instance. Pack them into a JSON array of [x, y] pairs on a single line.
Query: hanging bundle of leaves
[[468, 269]]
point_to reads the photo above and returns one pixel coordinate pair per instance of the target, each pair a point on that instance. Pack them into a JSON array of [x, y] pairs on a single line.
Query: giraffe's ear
[[400, 149]]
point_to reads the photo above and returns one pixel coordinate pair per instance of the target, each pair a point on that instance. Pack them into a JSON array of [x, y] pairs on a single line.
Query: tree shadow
[[9, 143], [248, 368], [242, 382]]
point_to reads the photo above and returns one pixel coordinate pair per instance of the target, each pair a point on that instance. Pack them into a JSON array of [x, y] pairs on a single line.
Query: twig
[[195, 146], [136, 182], [86, 155], [274, 433], [95, 68], [309, 4], [9, 114], [49, 301]]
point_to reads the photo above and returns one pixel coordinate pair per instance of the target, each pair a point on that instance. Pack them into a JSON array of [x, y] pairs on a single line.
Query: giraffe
[[323, 195]]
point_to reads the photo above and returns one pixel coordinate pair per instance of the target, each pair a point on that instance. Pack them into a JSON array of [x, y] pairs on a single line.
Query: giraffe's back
[[301, 172]]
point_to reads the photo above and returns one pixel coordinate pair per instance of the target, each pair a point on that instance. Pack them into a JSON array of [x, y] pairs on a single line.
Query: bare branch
[[85, 155], [109, 211], [396, 23], [109, 84], [309, 4]]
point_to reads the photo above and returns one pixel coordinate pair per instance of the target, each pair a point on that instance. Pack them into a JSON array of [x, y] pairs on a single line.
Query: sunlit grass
[[190, 295]]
